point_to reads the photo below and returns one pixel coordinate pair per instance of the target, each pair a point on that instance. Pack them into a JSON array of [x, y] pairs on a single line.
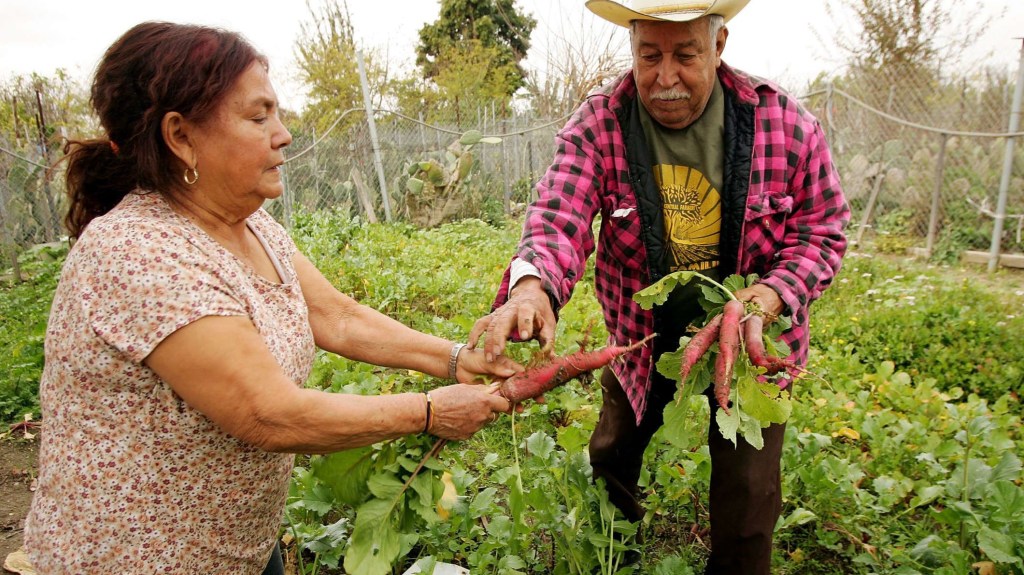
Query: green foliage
[[61, 101], [903, 458], [368, 484], [469, 79], [470, 76], [438, 280], [872, 483], [37, 113], [495, 27], [470, 60], [326, 54], [498, 528], [393, 267], [893, 474], [756, 404], [959, 237], [24, 310], [895, 232], [945, 326]]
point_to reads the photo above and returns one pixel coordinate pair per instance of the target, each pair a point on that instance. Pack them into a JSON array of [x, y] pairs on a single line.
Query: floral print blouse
[[132, 479]]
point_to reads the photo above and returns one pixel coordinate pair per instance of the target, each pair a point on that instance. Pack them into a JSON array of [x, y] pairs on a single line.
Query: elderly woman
[[185, 324]]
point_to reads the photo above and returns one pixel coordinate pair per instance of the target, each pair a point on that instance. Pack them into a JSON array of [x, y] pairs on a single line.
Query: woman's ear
[[176, 132]]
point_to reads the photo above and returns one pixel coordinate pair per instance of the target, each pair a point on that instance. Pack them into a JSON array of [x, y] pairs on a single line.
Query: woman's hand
[[472, 367], [460, 410]]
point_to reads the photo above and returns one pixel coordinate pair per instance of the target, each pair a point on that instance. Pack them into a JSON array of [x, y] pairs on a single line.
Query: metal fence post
[[53, 224], [933, 219], [373, 138], [8, 244], [286, 199], [423, 134], [506, 196], [1004, 181]]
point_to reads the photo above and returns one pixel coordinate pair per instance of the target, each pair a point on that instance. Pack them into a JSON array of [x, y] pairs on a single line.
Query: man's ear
[[723, 35], [176, 132]]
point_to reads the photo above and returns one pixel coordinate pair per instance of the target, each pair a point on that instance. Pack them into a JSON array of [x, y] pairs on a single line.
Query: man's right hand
[[526, 315]]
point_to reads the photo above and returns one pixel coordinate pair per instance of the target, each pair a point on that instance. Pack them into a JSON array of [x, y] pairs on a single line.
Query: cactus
[[434, 187]]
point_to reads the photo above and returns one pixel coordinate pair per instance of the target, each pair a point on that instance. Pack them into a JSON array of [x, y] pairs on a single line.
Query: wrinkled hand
[[764, 296], [460, 410], [473, 367], [527, 314]]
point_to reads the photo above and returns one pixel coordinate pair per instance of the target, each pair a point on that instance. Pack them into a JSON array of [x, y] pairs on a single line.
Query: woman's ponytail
[[98, 177]]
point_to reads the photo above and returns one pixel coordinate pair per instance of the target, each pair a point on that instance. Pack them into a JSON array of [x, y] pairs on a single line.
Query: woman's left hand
[[472, 367]]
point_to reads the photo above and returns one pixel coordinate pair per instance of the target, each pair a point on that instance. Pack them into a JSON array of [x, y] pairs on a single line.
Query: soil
[[18, 465]]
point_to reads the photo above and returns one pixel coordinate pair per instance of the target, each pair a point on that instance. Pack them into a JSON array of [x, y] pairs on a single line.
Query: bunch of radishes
[[732, 329]]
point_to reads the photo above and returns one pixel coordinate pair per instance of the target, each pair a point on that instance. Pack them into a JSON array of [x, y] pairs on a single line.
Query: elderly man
[[692, 165]]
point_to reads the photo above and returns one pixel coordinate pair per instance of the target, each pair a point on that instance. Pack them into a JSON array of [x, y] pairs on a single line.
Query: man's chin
[[673, 121]]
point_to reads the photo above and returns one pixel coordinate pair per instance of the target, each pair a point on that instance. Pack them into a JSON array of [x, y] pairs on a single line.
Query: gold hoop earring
[[194, 178]]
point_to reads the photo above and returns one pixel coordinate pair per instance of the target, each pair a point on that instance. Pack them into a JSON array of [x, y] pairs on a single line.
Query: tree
[[492, 32], [327, 62], [893, 33], [57, 105], [900, 50], [327, 58], [469, 78], [906, 34], [576, 61], [37, 114]]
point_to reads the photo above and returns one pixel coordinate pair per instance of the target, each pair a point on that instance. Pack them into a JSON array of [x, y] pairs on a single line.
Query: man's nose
[[668, 74]]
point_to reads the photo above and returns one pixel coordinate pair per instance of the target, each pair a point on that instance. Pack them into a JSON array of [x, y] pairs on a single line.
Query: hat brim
[[616, 13]]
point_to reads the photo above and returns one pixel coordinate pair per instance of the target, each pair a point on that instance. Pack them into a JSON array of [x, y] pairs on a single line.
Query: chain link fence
[[922, 162], [350, 171], [32, 199]]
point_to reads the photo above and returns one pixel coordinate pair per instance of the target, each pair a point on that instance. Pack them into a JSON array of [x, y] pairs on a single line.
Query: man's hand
[[526, 315], [764, 296]]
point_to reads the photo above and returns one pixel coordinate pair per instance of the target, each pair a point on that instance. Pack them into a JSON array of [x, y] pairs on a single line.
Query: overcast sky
[[771, 38]]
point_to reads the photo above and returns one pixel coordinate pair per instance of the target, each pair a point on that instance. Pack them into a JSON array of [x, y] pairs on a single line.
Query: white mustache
[[671, 94]]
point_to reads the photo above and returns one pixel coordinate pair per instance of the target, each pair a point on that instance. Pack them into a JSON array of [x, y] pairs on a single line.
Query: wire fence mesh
[[922, 162], [339, 171]]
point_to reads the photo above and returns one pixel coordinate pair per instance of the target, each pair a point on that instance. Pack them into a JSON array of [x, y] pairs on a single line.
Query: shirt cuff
[[520, 269]]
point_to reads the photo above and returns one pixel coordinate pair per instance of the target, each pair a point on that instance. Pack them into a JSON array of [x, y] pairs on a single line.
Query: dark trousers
[[746, 491], [276, 564]]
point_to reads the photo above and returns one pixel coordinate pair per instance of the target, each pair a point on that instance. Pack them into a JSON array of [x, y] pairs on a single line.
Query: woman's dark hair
[[153, 69]]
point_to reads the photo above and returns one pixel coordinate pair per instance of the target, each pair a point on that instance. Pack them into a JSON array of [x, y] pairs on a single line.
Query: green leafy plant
[[756, 401], [944, 323], [893, 475], [907, 461], [24, 311]]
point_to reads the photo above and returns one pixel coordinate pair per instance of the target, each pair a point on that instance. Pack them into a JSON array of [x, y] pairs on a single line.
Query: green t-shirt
[[688, 170]]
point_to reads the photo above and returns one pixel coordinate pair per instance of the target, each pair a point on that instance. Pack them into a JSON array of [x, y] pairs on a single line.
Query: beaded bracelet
[[430, 413]]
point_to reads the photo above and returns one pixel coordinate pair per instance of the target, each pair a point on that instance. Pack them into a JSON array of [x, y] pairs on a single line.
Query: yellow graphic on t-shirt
[[693, 216]]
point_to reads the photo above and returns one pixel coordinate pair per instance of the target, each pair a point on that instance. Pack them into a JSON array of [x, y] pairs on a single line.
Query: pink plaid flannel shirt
[[792, 234]]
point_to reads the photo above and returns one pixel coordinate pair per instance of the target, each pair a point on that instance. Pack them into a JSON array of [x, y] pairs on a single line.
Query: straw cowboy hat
[[663, 10]]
